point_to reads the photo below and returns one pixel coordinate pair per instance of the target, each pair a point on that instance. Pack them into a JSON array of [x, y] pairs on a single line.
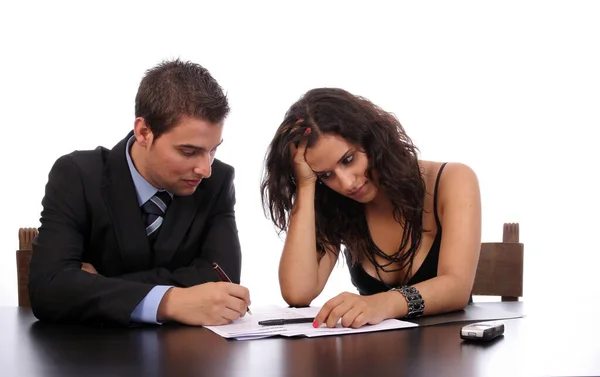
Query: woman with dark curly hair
[[342, 171]]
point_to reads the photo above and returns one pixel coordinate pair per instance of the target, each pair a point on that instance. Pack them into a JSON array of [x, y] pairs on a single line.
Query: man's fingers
[[88, 268], [230, 315], [236, 304], [240, 292]]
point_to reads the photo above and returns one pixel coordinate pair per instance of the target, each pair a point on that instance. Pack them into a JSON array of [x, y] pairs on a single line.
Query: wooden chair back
[[500, 267], [26, 236]]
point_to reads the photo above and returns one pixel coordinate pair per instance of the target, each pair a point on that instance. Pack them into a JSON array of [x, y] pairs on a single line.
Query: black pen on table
[[285, 321], [223, 276]]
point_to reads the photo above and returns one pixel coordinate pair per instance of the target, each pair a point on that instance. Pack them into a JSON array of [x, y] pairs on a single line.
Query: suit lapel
[[176, 224], [121, 199]]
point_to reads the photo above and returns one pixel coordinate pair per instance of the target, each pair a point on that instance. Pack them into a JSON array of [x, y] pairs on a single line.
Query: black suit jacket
[[91, 214]]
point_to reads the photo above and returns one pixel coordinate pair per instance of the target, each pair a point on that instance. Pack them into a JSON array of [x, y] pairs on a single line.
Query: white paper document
[[247, 328]]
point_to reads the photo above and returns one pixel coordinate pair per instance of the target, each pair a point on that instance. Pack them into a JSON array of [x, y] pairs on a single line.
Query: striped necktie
[[154, 211]]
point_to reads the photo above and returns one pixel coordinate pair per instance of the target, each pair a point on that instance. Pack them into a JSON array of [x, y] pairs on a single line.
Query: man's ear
[[143, 134]]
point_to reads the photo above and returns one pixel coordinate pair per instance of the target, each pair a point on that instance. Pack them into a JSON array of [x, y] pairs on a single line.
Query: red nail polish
[[315, 324], [307, 131]]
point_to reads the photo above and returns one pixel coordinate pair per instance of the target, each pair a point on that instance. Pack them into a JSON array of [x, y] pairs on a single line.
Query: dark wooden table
[[542, 343]]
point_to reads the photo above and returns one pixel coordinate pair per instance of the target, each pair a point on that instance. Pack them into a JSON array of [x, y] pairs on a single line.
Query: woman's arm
[[459, 206], [301, 276]]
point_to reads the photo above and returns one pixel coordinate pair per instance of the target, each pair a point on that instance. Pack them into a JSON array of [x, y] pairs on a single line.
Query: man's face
[[179, 159]]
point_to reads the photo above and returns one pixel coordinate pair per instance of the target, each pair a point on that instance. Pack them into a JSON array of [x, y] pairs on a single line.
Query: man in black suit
[[129, 235]]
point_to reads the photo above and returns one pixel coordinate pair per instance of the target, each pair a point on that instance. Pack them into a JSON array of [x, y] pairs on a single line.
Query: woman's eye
[[348, 160]]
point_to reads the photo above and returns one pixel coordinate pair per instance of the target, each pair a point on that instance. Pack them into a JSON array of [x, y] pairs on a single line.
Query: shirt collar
[[143, 188]]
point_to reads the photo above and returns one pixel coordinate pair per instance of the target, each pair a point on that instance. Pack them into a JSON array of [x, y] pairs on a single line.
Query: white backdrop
[[510, 88]]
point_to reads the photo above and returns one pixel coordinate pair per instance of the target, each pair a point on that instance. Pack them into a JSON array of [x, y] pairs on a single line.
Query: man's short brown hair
[[174, 89]]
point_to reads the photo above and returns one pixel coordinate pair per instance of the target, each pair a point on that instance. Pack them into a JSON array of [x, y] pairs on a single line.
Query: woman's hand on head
[[303, 174]]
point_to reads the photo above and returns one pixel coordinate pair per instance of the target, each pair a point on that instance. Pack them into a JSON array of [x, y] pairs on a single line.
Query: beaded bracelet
[[415, 302]]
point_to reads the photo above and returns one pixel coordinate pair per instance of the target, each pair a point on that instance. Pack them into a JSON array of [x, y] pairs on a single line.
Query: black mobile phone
[[482, 331]]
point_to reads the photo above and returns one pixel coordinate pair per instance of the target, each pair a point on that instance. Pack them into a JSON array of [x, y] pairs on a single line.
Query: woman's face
[[342, 167]]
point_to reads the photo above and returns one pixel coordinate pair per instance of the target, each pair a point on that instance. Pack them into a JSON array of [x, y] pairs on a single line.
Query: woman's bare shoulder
[[455, 177]]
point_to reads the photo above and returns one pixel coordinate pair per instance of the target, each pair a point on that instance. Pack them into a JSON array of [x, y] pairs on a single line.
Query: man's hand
[[206, 304], [356, 311], [89, 268]]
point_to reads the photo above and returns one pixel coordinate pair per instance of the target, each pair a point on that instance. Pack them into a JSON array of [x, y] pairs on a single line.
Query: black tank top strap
[[435, 192]]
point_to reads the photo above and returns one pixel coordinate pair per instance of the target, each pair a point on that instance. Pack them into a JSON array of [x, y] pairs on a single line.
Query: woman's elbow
[[295, 298], [463, 302], [463, 297]]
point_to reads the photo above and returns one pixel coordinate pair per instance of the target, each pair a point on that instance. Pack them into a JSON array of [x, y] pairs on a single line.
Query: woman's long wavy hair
[[390, 152]]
